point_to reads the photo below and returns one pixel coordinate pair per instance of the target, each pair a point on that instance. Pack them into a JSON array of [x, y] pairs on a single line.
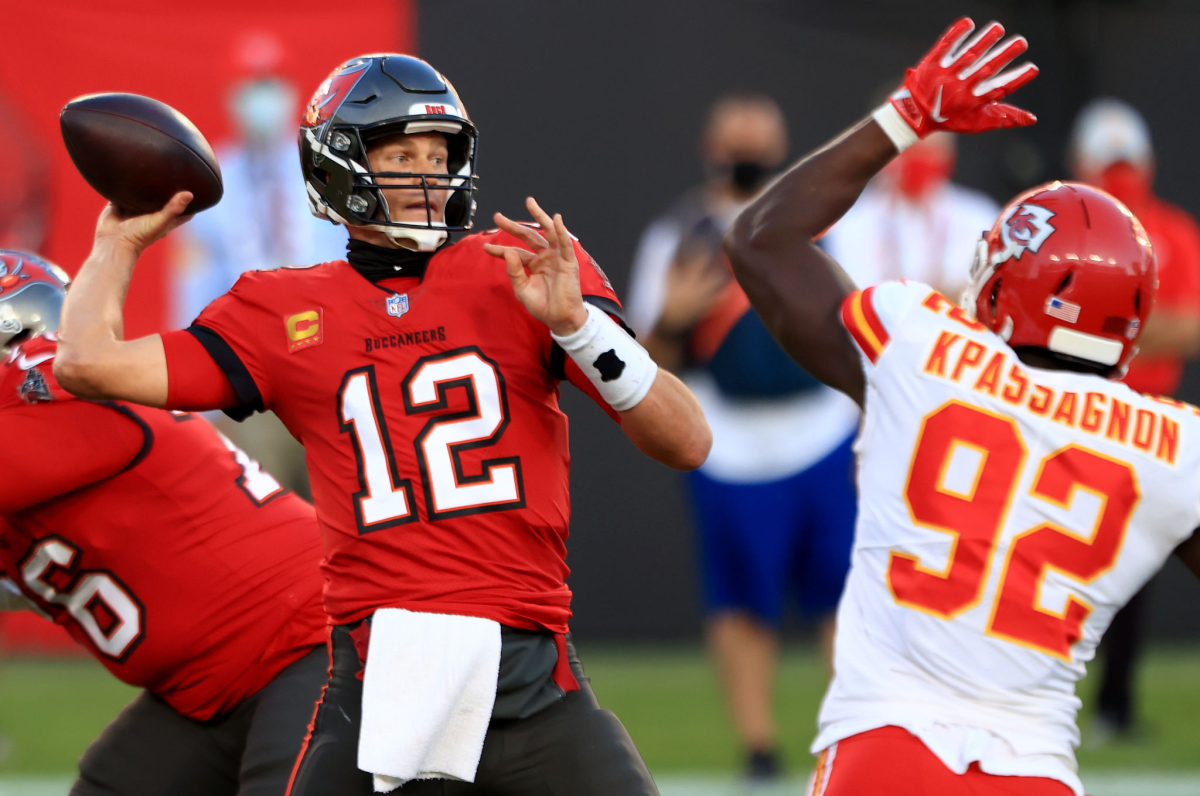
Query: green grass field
[[669, 701], [667, 697]]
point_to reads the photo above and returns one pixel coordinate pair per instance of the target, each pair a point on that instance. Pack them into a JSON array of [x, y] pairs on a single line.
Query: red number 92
[[974, 514]]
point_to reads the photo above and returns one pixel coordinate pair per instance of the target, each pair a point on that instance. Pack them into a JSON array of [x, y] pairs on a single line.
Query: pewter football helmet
[[31, 296]]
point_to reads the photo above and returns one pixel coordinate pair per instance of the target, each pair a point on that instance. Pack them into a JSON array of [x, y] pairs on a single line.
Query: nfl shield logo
[[397, 304]]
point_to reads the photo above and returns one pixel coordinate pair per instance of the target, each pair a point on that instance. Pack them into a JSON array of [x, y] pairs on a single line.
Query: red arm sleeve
[[575, 376], [64, 446], [231, 330], [194, 380]]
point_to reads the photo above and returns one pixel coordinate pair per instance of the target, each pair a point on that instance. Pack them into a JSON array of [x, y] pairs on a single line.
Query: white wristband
[[616, 363], [901, 133]]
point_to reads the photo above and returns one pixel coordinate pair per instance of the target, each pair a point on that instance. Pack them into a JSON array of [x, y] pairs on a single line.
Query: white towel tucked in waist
[[428, 692]]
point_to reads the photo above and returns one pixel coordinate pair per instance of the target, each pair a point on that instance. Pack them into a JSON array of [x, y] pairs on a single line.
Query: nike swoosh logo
[[937, 108], [25, 363]]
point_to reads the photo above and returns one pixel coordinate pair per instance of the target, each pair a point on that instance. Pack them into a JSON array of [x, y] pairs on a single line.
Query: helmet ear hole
[[1065, 283], [460, 152], [458, 208], [994, 298], [1137, 301]]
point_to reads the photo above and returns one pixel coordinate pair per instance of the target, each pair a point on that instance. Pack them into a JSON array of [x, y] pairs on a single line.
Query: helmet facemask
[[981, 271], [364, 202]]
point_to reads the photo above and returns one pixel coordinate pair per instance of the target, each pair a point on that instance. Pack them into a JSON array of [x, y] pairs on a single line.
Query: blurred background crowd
[[649, 125]]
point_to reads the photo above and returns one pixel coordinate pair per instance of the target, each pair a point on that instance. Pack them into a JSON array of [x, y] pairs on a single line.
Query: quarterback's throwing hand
[[138, 232], [958, 85], [546, 276]]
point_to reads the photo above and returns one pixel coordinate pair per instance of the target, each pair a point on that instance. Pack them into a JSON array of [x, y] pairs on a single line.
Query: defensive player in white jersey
[[1012, 495]]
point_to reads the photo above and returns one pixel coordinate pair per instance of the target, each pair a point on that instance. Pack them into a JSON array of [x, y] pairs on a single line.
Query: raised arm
[[796, 288], [657, 411], [94, 359]]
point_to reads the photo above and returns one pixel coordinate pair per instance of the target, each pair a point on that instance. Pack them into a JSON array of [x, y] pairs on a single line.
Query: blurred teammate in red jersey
[[1111, 148], [171, 556], [423, 380]]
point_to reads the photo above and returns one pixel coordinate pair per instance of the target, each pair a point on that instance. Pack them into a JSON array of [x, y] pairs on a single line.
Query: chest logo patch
[[397, 304], [304, 330], [34, 389]]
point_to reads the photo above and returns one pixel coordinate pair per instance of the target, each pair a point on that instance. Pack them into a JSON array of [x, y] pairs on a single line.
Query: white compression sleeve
[[616, 363]]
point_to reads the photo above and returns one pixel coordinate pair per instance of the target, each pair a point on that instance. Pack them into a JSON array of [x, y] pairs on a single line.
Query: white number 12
[[384, 499]]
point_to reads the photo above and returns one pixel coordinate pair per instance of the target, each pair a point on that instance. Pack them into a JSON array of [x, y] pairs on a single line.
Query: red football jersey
[[428, 408], [184, 568]]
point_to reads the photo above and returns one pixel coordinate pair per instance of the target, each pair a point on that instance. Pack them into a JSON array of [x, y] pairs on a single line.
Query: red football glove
[[956, 87]]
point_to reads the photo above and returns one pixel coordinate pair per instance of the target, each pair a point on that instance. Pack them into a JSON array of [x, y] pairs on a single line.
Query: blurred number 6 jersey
[[1007, 513], [183, 567]]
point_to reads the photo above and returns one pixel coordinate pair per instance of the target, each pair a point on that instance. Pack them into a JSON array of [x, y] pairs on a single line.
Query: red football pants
[[891, 761]]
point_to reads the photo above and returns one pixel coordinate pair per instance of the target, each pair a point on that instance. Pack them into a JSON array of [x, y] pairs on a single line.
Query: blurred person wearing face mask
[[774, 504], [912, 222], [1111, 148], [262, 222], [25, 195]]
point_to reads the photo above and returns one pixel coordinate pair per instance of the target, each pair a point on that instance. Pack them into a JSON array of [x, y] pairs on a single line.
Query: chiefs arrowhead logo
[[1024, 227]]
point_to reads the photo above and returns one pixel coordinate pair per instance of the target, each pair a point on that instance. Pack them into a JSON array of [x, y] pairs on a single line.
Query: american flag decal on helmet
[[1061, 309]]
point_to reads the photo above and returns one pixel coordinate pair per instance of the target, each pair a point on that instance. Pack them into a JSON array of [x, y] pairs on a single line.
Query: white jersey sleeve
[[875, 314], [1006, 513]]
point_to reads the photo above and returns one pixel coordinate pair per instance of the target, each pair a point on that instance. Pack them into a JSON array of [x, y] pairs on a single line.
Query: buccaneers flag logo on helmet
[[330, 94]]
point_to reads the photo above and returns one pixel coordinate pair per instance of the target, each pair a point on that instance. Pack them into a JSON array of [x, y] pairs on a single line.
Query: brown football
[[138, 152]]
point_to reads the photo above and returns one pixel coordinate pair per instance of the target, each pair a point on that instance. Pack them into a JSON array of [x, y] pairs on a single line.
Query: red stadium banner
[[187, 55]]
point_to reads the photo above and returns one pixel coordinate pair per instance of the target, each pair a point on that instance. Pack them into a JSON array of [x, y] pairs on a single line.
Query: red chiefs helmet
[[1069, 269], [31, 295]]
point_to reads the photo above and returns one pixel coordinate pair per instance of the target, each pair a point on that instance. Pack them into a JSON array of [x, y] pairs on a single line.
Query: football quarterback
[[422, 376]]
